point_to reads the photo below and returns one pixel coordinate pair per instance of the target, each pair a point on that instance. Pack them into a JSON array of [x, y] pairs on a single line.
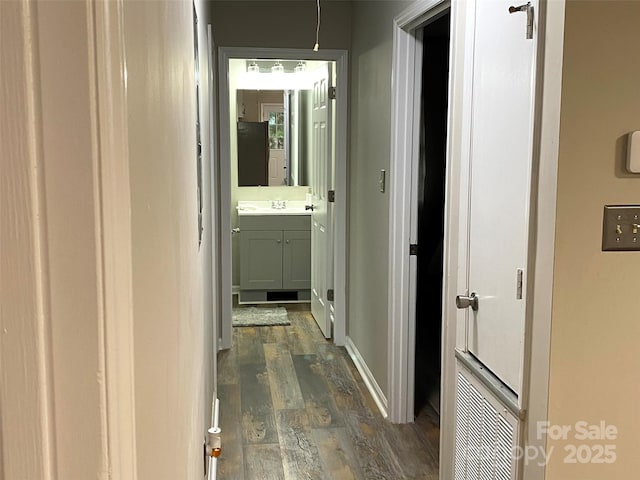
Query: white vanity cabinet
[[275, 258]]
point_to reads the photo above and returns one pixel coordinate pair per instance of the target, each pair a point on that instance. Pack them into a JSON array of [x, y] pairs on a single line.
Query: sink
[[265, 207]]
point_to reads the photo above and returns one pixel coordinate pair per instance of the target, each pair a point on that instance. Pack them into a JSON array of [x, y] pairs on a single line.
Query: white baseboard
[[369, 380]]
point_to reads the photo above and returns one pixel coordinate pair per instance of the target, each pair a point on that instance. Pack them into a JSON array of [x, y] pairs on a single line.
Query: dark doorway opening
[[431, 200]]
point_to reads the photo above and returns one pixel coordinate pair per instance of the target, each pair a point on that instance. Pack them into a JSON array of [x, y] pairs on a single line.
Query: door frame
[[405, 125], [102, 73], [267, 106], [406, 74], [340, 174]]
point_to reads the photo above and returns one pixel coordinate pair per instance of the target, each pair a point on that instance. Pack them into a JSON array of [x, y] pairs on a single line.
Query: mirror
[[273, 128]]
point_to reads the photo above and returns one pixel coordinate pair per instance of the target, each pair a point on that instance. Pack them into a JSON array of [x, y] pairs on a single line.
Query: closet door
[[500, 184], [500, 167]]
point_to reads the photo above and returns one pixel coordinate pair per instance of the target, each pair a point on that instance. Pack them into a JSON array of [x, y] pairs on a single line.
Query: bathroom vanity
[[275, 252]]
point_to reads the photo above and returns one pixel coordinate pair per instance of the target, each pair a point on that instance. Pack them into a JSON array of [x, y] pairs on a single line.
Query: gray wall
[[280, 24], [275, 24], [365, 28], [370, 151]]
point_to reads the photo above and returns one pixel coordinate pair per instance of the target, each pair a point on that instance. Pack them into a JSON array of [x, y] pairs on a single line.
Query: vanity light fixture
[[277, 67], [300, 67], [253, 67]]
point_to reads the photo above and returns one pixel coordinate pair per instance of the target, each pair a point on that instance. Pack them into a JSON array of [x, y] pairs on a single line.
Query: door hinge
[[413, 249], [330, 295], [519, 282], [331, 196], [528, 8], [332, 93]]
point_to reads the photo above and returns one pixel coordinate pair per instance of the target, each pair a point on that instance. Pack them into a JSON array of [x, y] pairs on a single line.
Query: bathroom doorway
[[431, 211], [266, 105]]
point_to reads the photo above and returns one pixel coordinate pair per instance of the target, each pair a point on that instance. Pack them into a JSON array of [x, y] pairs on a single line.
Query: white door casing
[[500, 186], [277, 165], [321, 149], [32, 77], [340, 57], [407, 80]]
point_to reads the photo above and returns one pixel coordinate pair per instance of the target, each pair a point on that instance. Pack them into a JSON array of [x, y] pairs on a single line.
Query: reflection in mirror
[[273, 129]]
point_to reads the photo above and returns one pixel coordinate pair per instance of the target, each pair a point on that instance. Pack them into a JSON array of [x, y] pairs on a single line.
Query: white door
[[273, 114], [320, 225], [501, 156]]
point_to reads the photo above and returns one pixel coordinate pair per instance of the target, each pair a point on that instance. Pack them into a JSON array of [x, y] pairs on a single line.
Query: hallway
[[294, 406]]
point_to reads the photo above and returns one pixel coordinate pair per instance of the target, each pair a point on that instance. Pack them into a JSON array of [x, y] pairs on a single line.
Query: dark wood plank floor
[[293, 406]]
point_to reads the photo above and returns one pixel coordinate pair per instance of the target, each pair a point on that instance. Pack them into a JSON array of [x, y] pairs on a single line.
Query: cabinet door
[[260, 260], [296, 264]]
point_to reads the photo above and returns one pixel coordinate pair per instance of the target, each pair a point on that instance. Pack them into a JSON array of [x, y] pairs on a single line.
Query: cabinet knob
[[278, 241], [287, 241]]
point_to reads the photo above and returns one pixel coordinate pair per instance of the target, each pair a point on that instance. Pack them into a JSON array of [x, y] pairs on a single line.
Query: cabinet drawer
[[274, 222]]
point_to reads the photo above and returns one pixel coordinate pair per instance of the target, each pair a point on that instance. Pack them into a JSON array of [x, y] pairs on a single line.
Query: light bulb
[[300, 67], [277, 67], [253, 68]]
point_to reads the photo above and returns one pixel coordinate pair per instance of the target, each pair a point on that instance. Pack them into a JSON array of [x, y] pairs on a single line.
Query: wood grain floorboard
[[404, 441], [263, 462], [285, 390], [372, 449], [258, 419], [319, 403], [300, 456], [294, 407], [248, 343], [228, 367], [337, 454], [274, 334], [342, 385], [427, 425], [230, 464], [303, 336]]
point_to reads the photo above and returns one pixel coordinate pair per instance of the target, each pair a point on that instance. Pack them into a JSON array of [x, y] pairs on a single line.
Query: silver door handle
[[466, 302]]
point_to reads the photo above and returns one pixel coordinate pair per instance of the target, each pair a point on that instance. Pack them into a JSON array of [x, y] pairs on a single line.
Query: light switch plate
[[621, 228]]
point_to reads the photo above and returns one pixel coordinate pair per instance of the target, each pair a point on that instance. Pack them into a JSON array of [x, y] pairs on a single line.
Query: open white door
[[320, 226]]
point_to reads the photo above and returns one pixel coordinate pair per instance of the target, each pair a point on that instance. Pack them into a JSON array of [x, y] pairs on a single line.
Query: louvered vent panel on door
[[474, 443], [489, 427], [462, 428], [504, 459], [486, 433]]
